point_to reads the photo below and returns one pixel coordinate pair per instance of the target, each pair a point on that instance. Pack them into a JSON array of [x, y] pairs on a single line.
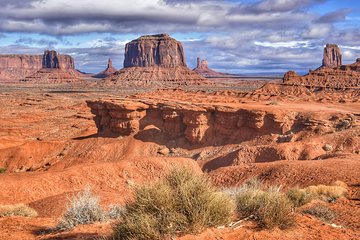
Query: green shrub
[[17, 210], [182, 203], [321, 212], [327, 193], [83, 208], [2, 170], [269, 207]]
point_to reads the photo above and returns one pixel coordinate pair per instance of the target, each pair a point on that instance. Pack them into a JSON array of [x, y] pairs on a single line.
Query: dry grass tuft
[[321, 212], [183, 203], [83, 208], [17, 210], [269, 207]]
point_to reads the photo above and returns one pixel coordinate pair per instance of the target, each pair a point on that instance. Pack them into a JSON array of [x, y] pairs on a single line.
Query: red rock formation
[[332, 56], [203, 69], [108, 71], [154, 61], [56, 68], [346, 76], [16, 67], [332, 74], [198, 125], [154, 50]]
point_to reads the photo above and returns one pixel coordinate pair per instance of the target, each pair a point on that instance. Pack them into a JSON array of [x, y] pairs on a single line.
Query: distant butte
[[56, 68], [154, 60], [108, 71], [203, 69], [332, 56]]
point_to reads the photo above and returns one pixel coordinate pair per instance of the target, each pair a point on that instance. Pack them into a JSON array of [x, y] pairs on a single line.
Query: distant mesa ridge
[[331, 74]]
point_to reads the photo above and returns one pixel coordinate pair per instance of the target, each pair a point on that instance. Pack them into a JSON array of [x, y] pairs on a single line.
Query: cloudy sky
[[243, 36]]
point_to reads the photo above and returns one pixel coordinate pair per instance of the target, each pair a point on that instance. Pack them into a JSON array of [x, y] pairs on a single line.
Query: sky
[[250, 37]]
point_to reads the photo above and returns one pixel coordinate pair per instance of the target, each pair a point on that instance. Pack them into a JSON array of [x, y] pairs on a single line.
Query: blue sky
[[246, 37]]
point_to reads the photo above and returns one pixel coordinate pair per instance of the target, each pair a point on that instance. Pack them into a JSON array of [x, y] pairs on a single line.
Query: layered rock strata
[[56, 68], [196, 124], [16, 67], [154, 60]]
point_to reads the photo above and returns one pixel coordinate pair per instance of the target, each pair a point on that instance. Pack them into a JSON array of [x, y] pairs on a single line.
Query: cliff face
[[154, 50], [51, 59], [15, 67], [56, 68], [332, 56], [154, 61]]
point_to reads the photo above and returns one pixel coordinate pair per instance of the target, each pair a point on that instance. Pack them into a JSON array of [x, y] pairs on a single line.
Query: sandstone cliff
[[108, 71], [154, 61], [56, 68], [154, 50], [16, 67], [332, 56]]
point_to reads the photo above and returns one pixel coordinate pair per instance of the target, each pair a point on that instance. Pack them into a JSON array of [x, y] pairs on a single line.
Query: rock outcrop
[[345, 76], [332, 74], [108, 71], [178, 124], [203, 69], [56, 68], [332, 56], [15, 67], [154, 50], [154, 61]]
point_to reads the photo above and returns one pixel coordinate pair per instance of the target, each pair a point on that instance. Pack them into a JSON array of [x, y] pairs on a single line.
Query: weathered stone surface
[[332, 56], [108, 71], [154, 50]]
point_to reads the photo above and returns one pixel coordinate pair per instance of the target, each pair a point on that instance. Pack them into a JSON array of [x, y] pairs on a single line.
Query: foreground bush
[[301, 197], [17, 210], [83, 208], [321, 212], [269, 207], [183, 203]]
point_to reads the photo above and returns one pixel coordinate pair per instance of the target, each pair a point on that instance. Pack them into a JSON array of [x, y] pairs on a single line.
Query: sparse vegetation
[[303, 196], [83, 208], [17, 210], [299, 197], [182, 203], [269, 207], [2, 170], [115, 212], [321, 212]]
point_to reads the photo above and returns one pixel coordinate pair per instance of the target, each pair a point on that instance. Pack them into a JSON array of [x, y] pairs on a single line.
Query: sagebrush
[[83, 208], [184, 202]]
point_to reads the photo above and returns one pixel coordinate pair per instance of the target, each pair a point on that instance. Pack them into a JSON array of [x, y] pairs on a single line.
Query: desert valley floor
[[55, 141]]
